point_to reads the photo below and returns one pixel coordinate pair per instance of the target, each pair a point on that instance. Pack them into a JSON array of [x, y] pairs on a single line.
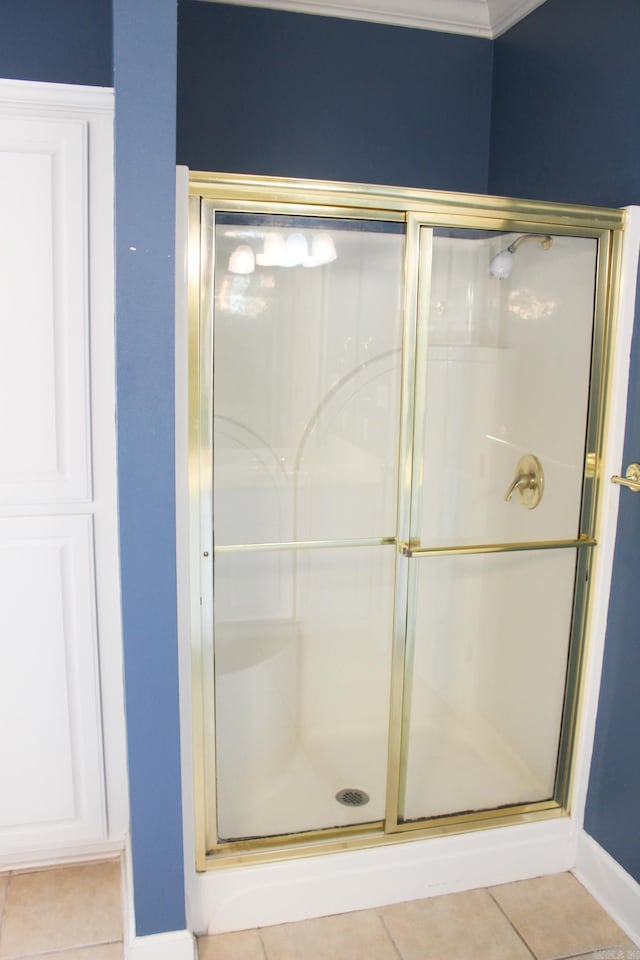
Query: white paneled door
[[61, 745]]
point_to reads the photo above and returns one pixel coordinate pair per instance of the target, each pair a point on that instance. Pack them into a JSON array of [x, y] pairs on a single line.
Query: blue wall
[[267, 92], [56, 41], [612, 816], [566, 126], [144, 58]]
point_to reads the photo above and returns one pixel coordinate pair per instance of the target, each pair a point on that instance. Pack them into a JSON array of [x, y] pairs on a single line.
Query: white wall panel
[[51, 748], [44, 403]]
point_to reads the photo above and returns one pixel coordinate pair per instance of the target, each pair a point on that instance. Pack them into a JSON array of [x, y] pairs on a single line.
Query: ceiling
[[477, 18]]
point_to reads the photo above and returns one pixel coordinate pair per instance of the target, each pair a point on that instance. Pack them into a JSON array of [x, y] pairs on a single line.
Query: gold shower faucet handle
[[528, 482]]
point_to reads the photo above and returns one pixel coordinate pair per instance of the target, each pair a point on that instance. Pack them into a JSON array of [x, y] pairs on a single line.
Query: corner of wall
[[610, 884]]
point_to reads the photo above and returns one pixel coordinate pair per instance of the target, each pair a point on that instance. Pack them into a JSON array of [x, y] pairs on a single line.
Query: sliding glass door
[[495, 522], [306, 346], [396, 421]]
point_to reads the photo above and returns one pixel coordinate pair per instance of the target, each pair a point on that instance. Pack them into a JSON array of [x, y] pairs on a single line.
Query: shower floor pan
[[461, 766]]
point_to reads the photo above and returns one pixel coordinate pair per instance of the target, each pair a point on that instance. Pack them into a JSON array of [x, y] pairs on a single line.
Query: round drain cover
[[352, 797]]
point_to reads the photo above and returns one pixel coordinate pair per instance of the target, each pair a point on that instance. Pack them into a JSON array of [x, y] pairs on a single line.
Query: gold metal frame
[[420, 210]]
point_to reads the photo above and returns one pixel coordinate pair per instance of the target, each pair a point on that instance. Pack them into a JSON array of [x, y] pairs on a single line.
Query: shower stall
[[396, 425]]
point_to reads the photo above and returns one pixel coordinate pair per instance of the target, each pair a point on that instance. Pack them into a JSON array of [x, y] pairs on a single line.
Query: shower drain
[[352, 797]]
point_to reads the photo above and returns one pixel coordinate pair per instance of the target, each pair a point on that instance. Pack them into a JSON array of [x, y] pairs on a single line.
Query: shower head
[[502, 264]]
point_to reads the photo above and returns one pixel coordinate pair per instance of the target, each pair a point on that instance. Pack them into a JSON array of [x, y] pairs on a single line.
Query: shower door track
[[420, 210]]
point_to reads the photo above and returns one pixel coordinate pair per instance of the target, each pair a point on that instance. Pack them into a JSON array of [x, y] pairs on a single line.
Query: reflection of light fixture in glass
[[323, 249], [274, 246], [242, 260], [278, 251], [296, 250]]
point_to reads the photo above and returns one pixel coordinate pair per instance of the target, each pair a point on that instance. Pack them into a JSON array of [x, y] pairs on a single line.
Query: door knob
[[528, 482], [631, 478]]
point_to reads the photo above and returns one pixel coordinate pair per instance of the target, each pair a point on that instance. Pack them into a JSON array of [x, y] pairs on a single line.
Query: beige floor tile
[[621, 951], [4, 880], [349, 936], [245, 945], [467, 926], [556, 916], [66, 907], [107, 951]]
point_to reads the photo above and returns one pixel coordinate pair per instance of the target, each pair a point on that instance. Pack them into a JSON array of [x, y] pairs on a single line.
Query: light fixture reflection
[[274, 247], [323, 249], [279, 250], [242, 260], [296, 250]]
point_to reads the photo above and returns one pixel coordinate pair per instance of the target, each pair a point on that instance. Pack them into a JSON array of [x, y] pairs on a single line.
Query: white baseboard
[[177, 945], [610, 884], [60, 856]]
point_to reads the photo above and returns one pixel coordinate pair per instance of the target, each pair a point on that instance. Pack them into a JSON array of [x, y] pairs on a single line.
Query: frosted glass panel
[[507, 374], [487, 680], [302, 659], [306, 379]]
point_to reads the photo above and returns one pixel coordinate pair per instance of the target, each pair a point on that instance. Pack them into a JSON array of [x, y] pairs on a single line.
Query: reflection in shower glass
[[306, 404], [306, 379]]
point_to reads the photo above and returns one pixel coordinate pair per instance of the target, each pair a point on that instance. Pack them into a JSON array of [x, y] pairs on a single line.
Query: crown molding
[[476, 18], [16, 95], [504, 14]]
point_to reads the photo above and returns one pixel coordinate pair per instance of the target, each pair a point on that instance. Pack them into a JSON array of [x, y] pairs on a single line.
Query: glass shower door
[[304, 323], [496, 517]]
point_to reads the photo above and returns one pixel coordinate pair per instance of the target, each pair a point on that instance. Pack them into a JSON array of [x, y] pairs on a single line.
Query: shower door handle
[[631, 478]]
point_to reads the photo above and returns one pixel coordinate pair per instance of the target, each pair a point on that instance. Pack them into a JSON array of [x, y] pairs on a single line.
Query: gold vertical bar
[[205, 472], [198, 700], [406, 471], [605, 308], [426, 244]]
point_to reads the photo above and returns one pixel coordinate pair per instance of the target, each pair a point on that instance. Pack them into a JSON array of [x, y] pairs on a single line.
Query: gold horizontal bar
[[304, 837], [228, 204], [226, 186], [371, 835], [582, 541], [475, 816], [305, 545]]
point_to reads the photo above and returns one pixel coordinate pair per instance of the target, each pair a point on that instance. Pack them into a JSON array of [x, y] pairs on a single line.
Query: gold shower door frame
[[421, 211]]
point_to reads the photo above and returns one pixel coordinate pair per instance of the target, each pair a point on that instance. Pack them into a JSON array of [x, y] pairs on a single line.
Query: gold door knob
[[528, 482], [631, 478]]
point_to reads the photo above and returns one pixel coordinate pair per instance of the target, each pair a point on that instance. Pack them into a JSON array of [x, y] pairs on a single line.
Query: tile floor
[[546, 918], [75, 913], [65, 913]]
